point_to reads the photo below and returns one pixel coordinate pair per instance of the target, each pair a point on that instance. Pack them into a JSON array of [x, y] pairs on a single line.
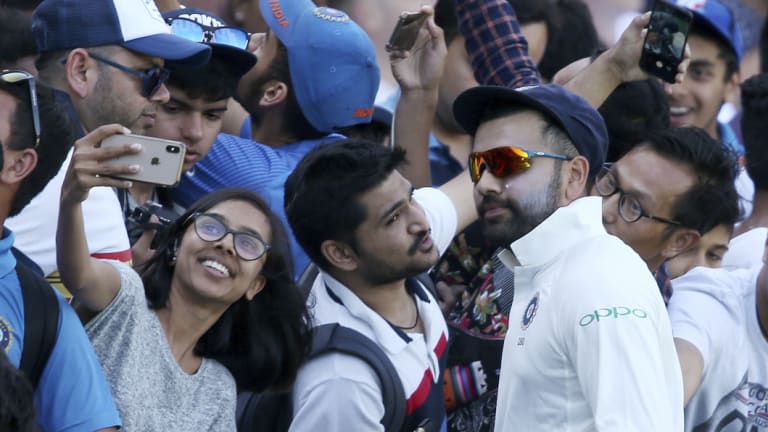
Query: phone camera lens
[[172, 149]]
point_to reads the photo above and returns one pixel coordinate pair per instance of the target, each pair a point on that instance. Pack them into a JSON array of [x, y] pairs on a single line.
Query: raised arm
[[620, 63], [94, 283], [418, 72], [496, 46]]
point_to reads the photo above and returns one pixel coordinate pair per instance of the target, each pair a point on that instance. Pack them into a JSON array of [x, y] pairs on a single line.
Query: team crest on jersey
[[6, 335], [330, 14], [530, 311]]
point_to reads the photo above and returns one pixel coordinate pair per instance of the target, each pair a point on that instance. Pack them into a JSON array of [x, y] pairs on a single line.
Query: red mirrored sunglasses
[[505, 161]]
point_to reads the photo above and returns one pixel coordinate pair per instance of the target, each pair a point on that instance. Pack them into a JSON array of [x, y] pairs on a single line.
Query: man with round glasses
[[667, 192], [586, 312], [107, 61]]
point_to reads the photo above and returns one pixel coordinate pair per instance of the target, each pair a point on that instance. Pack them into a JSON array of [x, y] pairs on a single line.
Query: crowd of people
[[509, 226]]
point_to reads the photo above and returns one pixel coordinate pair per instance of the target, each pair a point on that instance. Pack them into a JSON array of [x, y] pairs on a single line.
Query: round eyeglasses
[[210, 228], [630, 209]]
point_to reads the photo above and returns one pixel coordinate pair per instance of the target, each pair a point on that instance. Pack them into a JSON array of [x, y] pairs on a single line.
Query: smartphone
[[664, 44], [406, 31], [161, 160]]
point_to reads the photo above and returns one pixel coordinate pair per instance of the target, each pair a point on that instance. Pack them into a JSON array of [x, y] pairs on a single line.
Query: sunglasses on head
[[196, 32], [504, 161], [17, 76], [151, 79]]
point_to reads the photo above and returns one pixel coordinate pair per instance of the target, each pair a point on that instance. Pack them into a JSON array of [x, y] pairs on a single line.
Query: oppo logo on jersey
[[615, 312]]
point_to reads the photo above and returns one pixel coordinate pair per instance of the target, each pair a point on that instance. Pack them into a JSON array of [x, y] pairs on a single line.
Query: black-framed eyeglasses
[[210, 228], [196, 32], [630, 209], [17, 76], [151, 79]]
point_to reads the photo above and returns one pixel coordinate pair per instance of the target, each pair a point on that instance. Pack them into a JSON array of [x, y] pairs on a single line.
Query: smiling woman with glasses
[[215, 310]]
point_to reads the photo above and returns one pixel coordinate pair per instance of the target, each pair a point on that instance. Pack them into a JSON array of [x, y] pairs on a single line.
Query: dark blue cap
[[582, 123]]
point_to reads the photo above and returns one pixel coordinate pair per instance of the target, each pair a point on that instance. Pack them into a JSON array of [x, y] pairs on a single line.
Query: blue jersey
[[72, 394], [239, 162]]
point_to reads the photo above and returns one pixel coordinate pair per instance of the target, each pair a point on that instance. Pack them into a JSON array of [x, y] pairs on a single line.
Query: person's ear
[[681, 240], [18, 165], [732, 88], [275, 93], [80, 72], [256, 286], [339, 255], [575, 178]]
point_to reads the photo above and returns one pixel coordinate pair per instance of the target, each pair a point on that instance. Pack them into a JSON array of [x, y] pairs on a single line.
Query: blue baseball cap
[[332, 61], [133, 24], [716, 18], [582, 123], [241, 59]]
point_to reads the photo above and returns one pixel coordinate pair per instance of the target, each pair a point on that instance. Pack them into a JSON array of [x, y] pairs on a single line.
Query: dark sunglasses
[[17, 76], [196, 32], [151, 79], [248, 247], [504, 161]]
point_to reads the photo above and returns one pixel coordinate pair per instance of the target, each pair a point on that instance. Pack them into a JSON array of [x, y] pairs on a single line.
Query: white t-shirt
[[589, 345], [746, 250], [340, 392], [707, 311], [755, 392], [35, 226]]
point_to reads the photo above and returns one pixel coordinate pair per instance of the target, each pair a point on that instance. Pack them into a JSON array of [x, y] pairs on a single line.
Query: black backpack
[[41, 318], [274, 411], [257, 412]]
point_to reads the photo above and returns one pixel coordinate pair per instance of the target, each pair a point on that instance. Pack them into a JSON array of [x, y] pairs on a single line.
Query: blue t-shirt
[[73, 394], [239, 162]]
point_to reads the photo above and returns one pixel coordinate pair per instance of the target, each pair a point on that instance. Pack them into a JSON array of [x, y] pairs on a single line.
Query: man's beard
[[524, 216]]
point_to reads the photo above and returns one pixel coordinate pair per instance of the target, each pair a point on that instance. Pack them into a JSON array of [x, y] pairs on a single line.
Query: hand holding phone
[[664, 45], [161, 160], [406, 31]]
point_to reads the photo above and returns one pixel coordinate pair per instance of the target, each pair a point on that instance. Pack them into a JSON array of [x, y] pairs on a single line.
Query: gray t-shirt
[[151, 391]]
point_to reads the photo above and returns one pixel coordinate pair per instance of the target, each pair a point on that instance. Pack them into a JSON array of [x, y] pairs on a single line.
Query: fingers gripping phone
[[664, 44], [406, 31], [161, 160]]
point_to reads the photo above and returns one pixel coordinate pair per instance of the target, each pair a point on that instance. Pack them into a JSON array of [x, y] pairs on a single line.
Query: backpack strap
[[334, 337], [41, 323], [428, 283]]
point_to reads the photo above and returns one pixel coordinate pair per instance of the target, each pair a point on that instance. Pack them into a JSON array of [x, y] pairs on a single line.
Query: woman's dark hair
[[262, 341]]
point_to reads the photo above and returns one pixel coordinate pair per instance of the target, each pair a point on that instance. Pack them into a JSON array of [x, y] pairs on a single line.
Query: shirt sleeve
[[618, 337], [73, 394], [496, 46], [705, 310], [335, 392]]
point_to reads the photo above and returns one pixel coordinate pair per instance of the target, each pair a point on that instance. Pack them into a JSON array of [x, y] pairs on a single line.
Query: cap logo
[[363, 112], [330, 14], [692, 4], [278, 13], [205, 20]]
